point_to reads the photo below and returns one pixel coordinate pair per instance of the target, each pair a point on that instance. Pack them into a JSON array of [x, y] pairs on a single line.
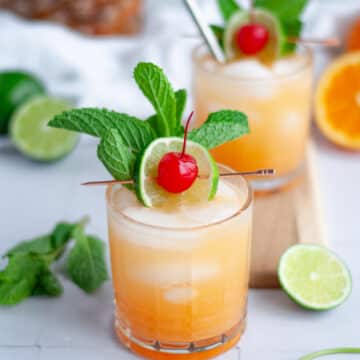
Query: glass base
[[200, 349], [269, 184]]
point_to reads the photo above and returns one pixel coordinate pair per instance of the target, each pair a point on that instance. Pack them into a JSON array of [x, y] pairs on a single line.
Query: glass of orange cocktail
[[277, 100], [181, 273]]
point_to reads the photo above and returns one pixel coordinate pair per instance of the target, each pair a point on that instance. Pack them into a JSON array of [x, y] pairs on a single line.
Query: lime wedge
[[15, 88], [31, 135], [314, 277], [151, 194], [276, 37]]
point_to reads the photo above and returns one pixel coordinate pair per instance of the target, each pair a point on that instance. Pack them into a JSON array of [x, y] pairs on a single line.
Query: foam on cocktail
[[227, 202]]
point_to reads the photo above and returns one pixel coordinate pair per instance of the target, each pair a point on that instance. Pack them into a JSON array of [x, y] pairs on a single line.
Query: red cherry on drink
[[252, 38], [177, 171]]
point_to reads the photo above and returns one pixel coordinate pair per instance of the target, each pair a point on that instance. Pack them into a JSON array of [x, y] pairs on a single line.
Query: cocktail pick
[[330, 42], [261, 172], [205, 31]]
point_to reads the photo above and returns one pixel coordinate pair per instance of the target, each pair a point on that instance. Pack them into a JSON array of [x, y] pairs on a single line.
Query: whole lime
[[15, 88]]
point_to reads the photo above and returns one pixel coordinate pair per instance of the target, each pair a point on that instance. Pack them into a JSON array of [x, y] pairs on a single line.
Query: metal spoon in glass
[[205, 31]]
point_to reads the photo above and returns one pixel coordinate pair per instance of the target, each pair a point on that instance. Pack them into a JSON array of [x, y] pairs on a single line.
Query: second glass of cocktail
[[272, 85]]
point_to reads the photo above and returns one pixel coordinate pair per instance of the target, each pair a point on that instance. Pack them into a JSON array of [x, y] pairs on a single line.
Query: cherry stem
[[251, 12], [186, 133]]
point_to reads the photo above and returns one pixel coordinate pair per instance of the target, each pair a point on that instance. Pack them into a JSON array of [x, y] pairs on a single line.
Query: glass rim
[[215, 72], [245, 206]]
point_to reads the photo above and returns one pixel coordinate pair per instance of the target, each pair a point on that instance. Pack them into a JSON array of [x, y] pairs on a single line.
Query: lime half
[[314, 277], [15, 88], [31, 135], [151, 194], [276, 37]]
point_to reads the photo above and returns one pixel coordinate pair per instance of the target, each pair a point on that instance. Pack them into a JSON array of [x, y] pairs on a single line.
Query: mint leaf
[[285, 10], [181, 97], [38, 245], [116, 156], [220, 127], [228, 8], [47, 243], [135, 133], [291, 29], [219, 34], [48, 284], [12, 293], [62, 234], [18, 279], [157, 88], [152, 121], [86, 264]]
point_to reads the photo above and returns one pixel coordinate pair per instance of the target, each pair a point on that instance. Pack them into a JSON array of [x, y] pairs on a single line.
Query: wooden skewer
[[330, 42], [261, 172]]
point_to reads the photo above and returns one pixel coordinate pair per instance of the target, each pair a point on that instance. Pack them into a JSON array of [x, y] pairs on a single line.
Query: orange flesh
[[342, 101], [353, 40]]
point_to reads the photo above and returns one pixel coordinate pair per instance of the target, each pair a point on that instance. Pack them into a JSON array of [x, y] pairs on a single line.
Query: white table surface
[[78, 326]]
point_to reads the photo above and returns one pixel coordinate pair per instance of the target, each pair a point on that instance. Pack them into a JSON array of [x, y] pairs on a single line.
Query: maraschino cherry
[[252, 38], [177, 171]]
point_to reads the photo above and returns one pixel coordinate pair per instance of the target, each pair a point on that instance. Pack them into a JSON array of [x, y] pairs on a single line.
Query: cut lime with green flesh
[[314, 277], [31, 135], [15, 88], [276, 37], [151, 194]]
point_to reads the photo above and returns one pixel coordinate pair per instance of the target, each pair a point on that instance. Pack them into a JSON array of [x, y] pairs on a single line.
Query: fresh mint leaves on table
[[288, 13], [123, 137], [28, 271]]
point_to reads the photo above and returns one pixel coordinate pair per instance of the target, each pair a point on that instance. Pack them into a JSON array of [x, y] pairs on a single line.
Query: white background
[[34, 196]]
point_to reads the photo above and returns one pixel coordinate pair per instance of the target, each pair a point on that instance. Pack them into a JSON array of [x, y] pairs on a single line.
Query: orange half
[[338, 101]]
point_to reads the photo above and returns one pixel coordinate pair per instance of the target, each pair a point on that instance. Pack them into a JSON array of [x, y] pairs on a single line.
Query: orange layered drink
[[266, 74], [179, 224], [181, 274], [277, 101]]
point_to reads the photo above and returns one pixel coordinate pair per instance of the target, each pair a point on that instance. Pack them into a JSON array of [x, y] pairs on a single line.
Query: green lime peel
[[349, 350]]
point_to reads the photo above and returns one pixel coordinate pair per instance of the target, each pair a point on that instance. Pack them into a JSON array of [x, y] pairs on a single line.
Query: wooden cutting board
[[282, 219]]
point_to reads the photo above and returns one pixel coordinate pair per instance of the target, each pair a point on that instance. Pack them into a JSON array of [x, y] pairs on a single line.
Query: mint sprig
[[289, 14], [28, 271], [219, 128], [123, 138]]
